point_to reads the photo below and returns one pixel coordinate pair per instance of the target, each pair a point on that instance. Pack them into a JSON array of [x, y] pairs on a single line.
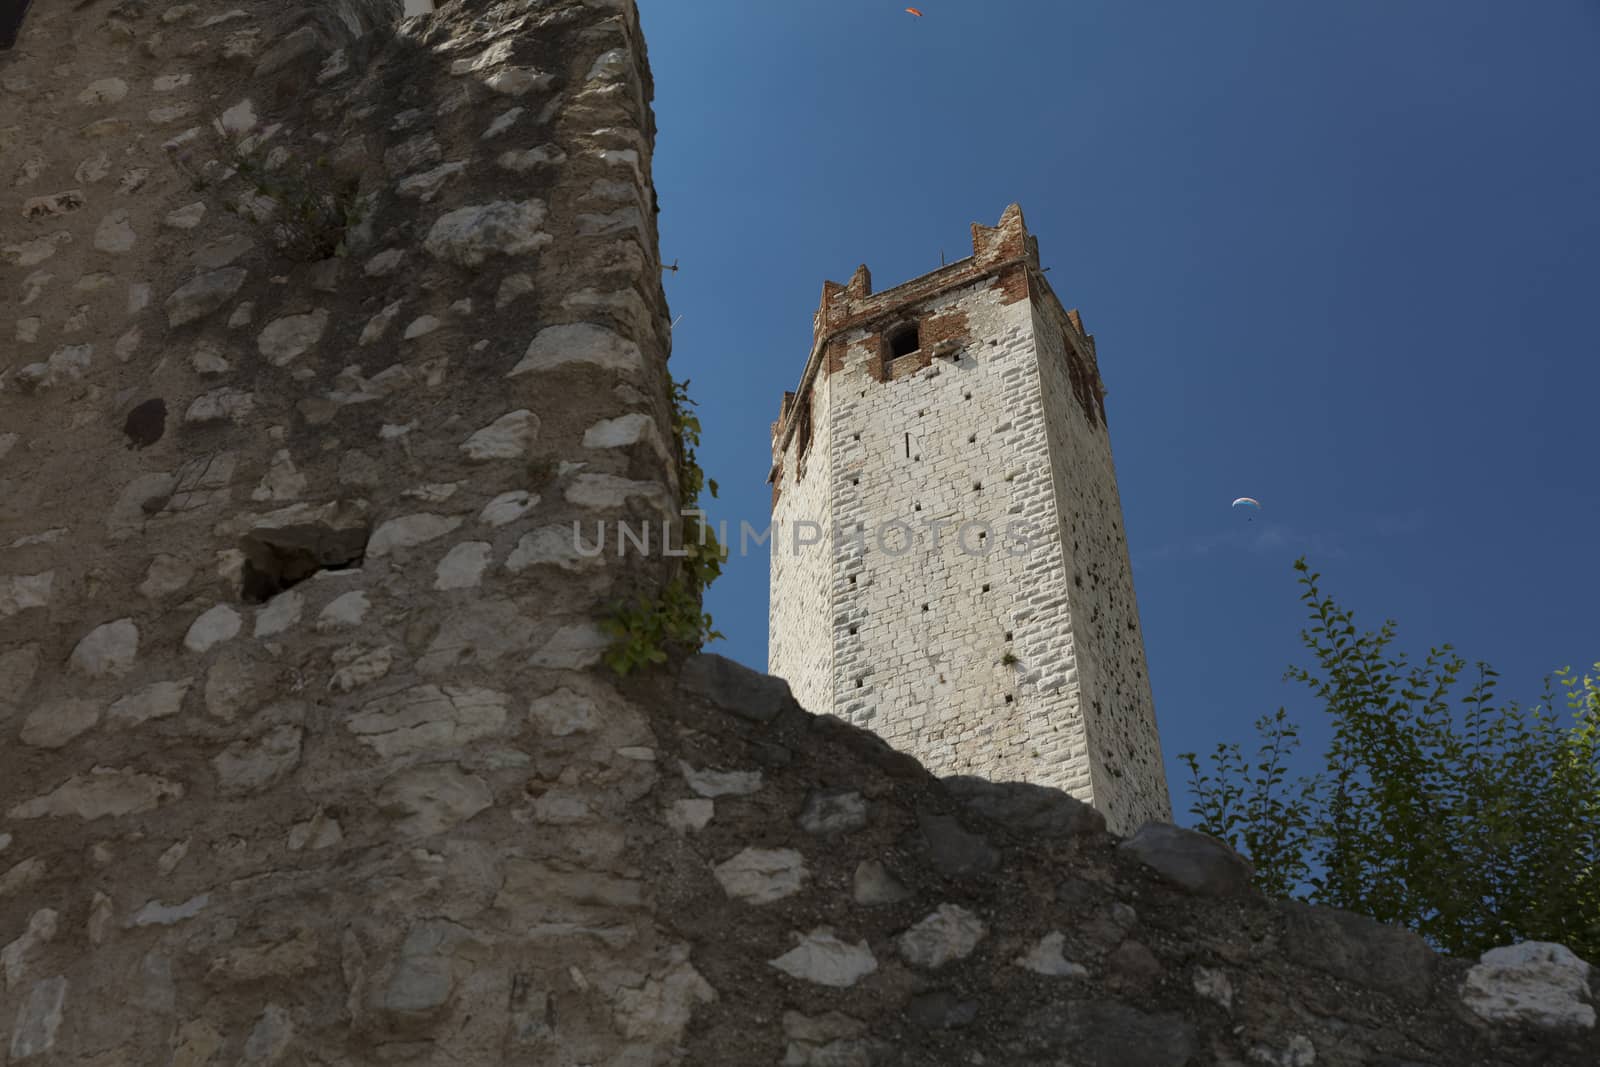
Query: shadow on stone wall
[[875, 915]]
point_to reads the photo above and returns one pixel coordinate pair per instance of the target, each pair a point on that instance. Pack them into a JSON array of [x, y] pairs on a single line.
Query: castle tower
[[949, 567]]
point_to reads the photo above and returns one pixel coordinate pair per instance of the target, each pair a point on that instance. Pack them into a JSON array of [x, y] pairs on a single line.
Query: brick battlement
[[1006, 253]]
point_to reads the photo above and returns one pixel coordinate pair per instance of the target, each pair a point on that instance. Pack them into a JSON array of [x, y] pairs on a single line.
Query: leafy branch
[[1473, 823], [645, 632]]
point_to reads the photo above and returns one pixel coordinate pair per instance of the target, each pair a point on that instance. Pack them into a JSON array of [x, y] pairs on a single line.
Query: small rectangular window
[[904, 340], [901, 340]]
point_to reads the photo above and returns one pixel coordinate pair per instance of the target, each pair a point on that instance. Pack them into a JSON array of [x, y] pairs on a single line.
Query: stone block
[[1199, 863], [1359, 950], [734, 687]]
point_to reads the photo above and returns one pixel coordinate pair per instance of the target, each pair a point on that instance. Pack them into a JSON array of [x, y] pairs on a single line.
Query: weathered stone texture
[[298, 767], [258, 767]]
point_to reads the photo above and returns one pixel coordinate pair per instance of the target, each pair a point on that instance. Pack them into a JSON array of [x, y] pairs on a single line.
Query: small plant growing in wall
[[305, 206], [646, 631], [314, 208], [1008, 659]]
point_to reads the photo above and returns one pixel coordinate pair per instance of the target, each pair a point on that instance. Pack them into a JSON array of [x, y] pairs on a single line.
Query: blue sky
[[1341, 257]]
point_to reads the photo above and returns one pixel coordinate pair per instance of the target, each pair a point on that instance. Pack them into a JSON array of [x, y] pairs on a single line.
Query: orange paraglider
[[915, 11]]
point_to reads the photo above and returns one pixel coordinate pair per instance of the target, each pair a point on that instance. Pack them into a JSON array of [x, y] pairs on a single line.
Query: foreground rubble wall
[[305, 753]]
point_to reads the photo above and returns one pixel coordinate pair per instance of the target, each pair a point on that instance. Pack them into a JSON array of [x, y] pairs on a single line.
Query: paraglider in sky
[[1249, 505], [915, 11]]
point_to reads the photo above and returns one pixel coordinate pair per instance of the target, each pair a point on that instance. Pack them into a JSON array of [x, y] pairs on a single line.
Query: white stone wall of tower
[[933, 680], [1129, 779], [800, 644]]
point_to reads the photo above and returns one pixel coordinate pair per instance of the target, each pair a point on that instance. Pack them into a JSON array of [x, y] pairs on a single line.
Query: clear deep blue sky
[[1342, 257]]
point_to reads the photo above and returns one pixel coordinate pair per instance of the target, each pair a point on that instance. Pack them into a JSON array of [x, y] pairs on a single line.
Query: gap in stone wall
[[12, 12], [278, 560]]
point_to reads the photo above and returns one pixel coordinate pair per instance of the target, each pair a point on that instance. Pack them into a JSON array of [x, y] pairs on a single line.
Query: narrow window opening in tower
[[804, 430], [12, 12], [908, 446], [904, 340]]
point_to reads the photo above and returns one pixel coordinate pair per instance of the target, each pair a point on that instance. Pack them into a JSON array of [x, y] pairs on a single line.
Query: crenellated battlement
[[1006, 255]]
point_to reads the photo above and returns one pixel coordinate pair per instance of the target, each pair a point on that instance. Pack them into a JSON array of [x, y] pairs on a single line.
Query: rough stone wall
[[849, 908], [239, 817], [968, 646], [393, 814]]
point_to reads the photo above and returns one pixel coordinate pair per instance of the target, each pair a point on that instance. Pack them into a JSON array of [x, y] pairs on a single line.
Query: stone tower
[[949, 567]]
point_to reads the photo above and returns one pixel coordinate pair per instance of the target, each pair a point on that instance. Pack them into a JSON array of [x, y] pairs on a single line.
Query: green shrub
[[1475, 825]]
